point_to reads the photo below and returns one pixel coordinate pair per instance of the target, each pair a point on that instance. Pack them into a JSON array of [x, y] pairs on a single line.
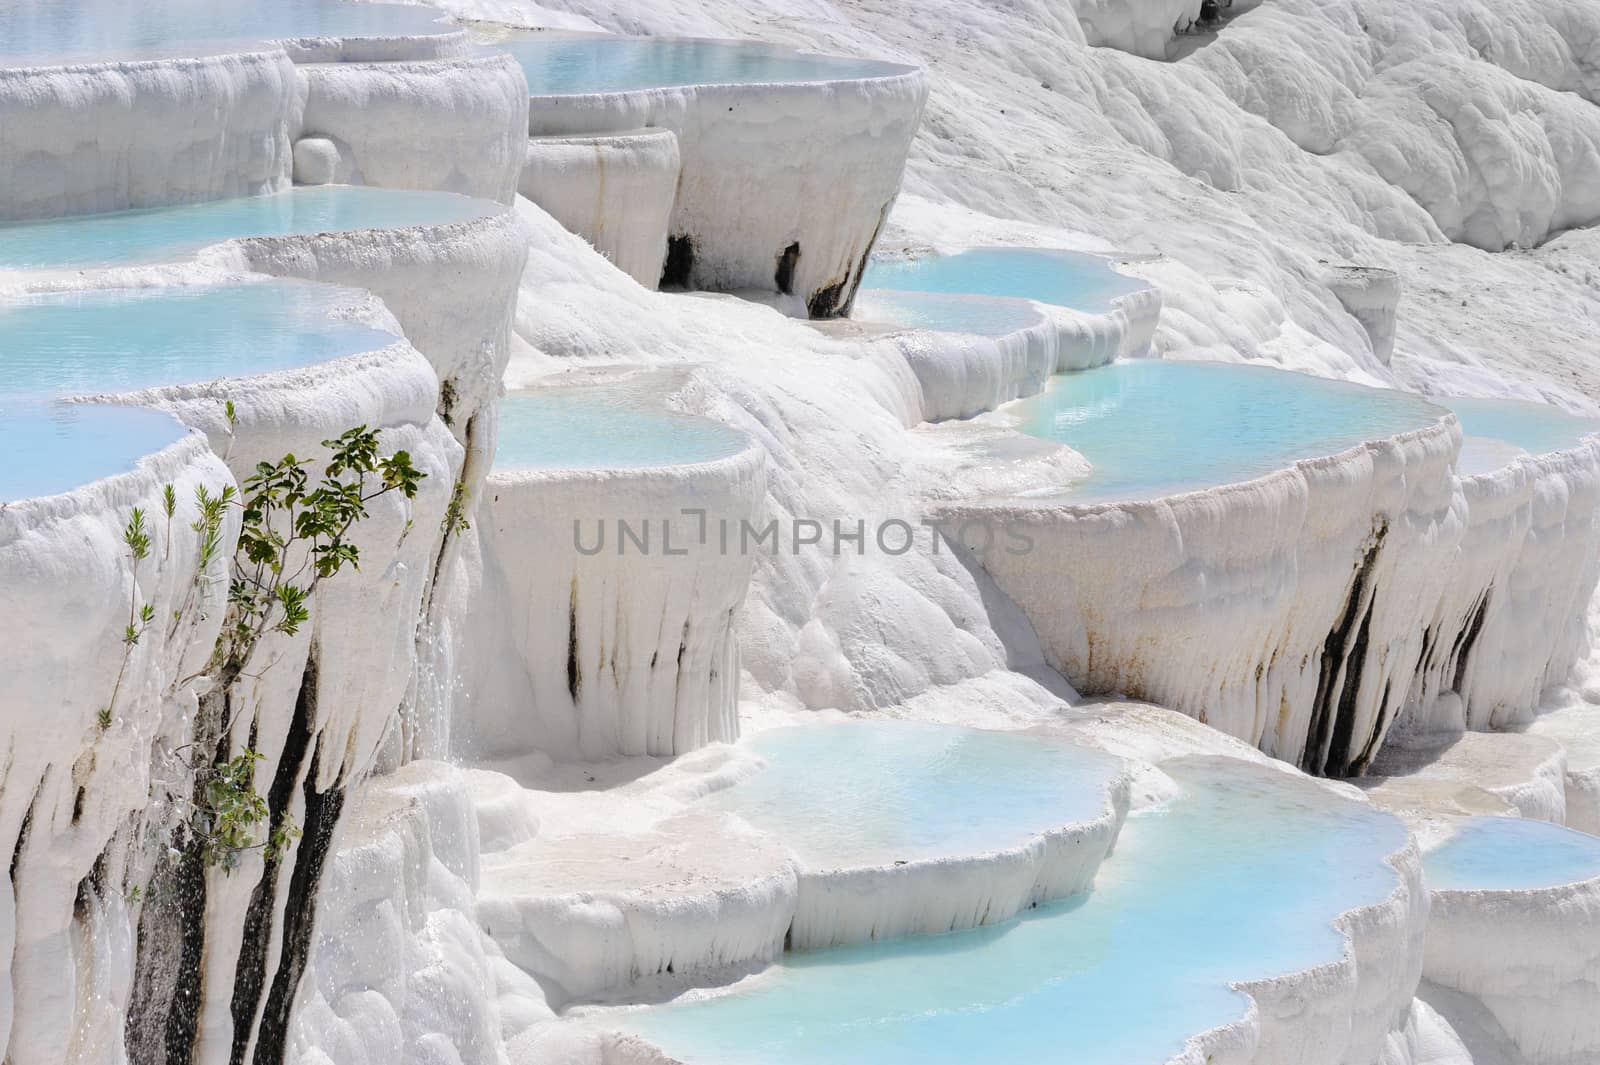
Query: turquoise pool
[[1151, 427], [1536, 428], [56, 447], [1068, 279], [35, 31], [566, 66], [165, 233], [873, 793], [603, 427], [1238, 879], [1511, 853], [121, 340], [983, 315]]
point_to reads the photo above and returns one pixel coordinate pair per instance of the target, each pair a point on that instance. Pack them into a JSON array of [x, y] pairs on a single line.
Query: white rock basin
[[1516, 925], [614, 592], [1244, 880], [163, 234], [1500, 430], [1153, 428], [572, 65], [905, 828], [1078, 280], [36, 32], [103, 342]]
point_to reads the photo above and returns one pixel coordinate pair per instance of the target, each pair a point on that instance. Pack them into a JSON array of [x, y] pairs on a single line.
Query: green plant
[[223, 825], [136, 538], [295, 534], [455, 514]]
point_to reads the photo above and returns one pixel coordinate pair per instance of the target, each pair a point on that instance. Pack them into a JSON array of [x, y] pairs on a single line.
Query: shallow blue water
[[1151, 427], [1239, 879], [1512, 853], [1068, 279], [120, 340], [603, 427], [106, 29], [1536, 428], [56, 447], [564, 66], [870, 793], [165, 233], [945, 313]]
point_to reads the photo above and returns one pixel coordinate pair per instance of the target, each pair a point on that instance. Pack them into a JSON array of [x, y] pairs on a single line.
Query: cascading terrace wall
[[1310, 610], [783, 187], [108, 950]]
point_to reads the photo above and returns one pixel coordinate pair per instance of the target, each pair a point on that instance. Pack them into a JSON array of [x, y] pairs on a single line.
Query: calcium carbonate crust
[[1511, 623], [615, 190], [930, 896], [108, 136], [784, 186], [1530, 957], [614, 651], [452, 124], [1317, 574], [451, 287], [697, 894], [1340, 1013], [963, 374]]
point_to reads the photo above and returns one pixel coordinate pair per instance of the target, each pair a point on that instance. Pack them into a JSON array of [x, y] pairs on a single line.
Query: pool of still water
[[1511, 854], [1151, 427], [106, 341], [39, 31], [565, 66], [872, 793], [1238, 879], [1068, 279], [164, 233], [608, 426]]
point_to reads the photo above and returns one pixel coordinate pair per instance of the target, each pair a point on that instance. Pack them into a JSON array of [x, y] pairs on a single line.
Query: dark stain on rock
[[1339, 678], [679, 265], [1469, 639], [787, 261], [322, 811], [574, 671], [250, 974]]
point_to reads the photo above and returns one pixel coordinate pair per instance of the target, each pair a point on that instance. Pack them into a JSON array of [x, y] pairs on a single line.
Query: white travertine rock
[[1510, 622], [449, 124], [1286, 611], [107, 136], [318, 161], [784, 186], [615, 190], [855, 904], [401, 968], [75, 782], [452, 288], [1372, 296], [1344, 1012], [1142, 27], [620, 650], [319, 707], [326, 696], [1527, 773], [1531, 959], [965, 374], [698, 893], [1577, 729]]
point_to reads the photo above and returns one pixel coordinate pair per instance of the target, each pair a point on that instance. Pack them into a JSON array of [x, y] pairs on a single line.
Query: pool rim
[[889, 69]]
